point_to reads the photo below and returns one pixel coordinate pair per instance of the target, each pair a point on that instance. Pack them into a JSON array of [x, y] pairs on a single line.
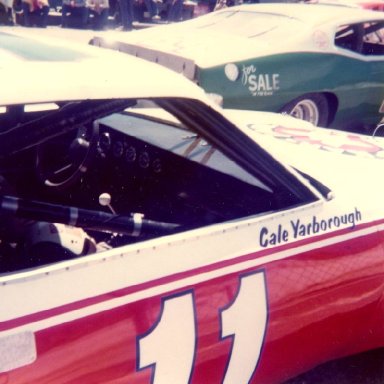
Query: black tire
[[312, 107]]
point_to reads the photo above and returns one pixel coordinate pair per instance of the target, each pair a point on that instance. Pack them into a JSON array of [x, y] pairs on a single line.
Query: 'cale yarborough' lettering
[[298, 228]]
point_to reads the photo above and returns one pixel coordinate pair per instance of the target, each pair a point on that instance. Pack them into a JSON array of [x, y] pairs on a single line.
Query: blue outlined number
[[245, 320], [170, 345]]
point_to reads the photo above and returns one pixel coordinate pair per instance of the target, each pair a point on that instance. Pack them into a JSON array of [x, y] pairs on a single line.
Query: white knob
[[105, 199]]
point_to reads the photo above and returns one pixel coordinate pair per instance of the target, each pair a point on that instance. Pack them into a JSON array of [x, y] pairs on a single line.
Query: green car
[[320, 63]]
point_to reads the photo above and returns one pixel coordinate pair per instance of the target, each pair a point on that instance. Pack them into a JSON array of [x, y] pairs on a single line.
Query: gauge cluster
[[157, 170], [126, 151]]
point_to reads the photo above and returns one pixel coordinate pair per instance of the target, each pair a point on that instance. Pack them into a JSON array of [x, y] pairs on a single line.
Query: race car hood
[[341, 161]]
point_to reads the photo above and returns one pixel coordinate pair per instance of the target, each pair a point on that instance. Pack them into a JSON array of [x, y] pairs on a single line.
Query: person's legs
[[103, 18], [65, 10], [84, 14], [10, 16], [179, 10], [155, 9], [127, 25], [126, 9], [100, 20], [26, 15], [148, 5], [175, 12], [152, 8], [74, 17], [43, 17]]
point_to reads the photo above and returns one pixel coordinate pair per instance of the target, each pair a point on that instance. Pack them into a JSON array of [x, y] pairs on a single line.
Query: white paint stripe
[[164, 288]]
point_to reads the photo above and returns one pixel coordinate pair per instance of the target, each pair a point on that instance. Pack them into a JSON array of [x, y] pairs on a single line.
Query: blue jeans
[[176, 11], [126, 8], [151, 7]]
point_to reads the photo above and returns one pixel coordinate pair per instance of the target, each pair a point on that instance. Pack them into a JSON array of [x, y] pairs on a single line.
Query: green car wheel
[[312, 107]]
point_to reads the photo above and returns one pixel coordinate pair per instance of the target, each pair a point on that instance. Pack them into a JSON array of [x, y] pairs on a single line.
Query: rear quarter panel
[[268, 83]]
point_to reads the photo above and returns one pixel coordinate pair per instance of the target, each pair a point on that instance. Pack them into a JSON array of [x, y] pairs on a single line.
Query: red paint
[[322, 304]]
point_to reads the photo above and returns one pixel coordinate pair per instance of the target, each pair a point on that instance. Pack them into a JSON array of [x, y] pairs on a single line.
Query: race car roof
[[93, 73]]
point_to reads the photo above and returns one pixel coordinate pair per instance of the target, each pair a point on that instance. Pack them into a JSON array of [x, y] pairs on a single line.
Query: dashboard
[[168, 173], [147, 166]]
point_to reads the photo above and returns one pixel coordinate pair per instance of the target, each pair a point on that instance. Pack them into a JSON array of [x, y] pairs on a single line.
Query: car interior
[[72, 185], [364, 38]]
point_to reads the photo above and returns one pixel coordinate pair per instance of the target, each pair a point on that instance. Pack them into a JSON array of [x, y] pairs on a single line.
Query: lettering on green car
[[259, 84]]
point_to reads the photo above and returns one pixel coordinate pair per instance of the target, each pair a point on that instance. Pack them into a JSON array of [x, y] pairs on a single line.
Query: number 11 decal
[[170, 345], [245, 321]]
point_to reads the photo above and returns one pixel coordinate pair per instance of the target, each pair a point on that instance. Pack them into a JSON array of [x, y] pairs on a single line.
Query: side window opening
[[364, 38], [72, 186], [373, 39], [349, 37]]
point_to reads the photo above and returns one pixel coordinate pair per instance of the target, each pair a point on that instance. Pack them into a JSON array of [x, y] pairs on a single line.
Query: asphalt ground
[[365, 368]]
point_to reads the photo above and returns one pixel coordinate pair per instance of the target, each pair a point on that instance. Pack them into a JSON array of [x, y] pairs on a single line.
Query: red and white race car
[[147, 236]]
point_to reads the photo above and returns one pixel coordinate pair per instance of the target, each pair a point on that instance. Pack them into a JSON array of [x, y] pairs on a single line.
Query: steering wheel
[[60, 162]]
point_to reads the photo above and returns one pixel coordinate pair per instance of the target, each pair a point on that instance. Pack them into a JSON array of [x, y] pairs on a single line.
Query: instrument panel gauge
[[105, 142], [144, 159], [118, 148], [157, 166], [131, 154]]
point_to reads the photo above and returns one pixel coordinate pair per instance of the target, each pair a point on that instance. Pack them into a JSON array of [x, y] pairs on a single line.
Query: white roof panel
[[39, 70]]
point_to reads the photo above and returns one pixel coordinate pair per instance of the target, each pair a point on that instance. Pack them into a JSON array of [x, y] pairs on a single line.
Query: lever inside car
[[132, 225]]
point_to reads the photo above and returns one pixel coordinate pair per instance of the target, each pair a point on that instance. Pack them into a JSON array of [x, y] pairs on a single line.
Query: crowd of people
[[78, 13], [95, 14]]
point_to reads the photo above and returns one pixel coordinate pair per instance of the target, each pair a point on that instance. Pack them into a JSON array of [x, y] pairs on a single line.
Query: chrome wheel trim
[[306, 110]]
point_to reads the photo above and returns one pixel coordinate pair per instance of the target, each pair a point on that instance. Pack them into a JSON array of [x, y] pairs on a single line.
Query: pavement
[[364, 368]]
